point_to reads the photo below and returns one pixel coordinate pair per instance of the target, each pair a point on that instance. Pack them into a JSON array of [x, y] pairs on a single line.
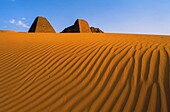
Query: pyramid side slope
[[33, 26], [83, 26]]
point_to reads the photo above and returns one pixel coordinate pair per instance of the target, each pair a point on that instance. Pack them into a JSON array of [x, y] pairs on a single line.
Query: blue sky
[[117, 16]]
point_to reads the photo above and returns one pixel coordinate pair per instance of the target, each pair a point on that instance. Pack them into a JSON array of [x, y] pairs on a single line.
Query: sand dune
[[84, 72], [9, 31]]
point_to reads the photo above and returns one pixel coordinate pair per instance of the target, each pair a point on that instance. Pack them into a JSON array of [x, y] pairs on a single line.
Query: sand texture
[[84, 72]]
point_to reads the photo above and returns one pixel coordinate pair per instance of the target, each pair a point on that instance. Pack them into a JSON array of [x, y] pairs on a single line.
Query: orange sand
[[84, 72]]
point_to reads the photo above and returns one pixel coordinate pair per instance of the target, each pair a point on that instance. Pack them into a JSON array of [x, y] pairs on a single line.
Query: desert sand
[[48, 72]]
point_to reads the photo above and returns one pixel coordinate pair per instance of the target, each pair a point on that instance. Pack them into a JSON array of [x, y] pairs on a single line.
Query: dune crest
[[84, 72], [7, 31]]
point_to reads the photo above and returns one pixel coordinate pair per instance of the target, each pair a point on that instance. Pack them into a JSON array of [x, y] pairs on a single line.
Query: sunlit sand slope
[[84, 72]]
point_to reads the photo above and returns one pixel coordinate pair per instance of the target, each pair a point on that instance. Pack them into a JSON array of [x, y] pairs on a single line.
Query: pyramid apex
[[40, 17], [81, 20]]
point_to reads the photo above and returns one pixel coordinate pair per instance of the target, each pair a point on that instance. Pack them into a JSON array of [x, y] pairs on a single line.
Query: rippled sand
[[84, 72]]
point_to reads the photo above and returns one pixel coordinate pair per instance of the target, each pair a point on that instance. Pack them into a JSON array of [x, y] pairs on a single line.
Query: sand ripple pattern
[[84, 72]]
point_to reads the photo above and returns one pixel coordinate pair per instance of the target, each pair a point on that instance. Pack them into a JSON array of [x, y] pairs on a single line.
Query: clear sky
[[117, 16]]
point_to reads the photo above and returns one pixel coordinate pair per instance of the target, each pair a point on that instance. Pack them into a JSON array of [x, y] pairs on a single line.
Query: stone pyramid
[[80, 26], [41, 25], [96, 30]]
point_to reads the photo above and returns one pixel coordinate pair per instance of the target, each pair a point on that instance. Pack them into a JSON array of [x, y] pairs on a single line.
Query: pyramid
[[41, 25], [80, 26], [96, 30]]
